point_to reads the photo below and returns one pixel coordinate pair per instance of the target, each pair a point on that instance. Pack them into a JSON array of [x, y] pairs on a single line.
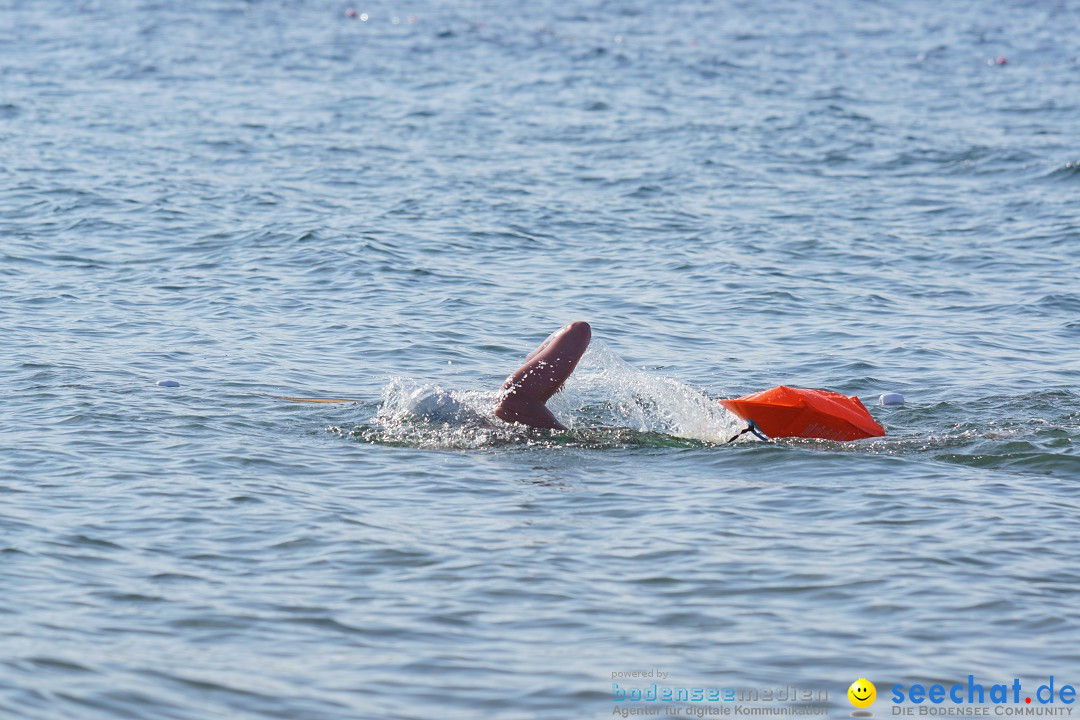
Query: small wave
[[1031, 462], [975, 160], [1033, 433], [1068, 171]]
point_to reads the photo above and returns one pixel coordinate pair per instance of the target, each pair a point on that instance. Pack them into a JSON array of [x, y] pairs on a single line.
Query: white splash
[[604, 396], [606, 391], [407, 401]]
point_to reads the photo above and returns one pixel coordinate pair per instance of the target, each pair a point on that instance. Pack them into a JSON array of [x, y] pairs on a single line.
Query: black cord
[[751, 427]]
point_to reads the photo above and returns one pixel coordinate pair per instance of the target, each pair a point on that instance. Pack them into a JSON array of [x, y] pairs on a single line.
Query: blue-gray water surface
[[283, 198]]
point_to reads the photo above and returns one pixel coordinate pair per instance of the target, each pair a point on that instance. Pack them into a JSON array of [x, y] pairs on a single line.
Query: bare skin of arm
[[524, 394]]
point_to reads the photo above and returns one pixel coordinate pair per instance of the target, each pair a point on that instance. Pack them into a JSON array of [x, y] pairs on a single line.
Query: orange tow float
[[797, 412]]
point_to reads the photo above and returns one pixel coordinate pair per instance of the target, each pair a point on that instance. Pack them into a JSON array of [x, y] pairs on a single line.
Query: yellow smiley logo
[[862, 693]]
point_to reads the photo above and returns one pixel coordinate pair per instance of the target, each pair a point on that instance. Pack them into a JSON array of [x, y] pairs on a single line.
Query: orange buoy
[[797, 412]]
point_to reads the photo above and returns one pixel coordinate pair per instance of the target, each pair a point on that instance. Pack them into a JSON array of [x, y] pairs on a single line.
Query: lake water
[[265, 199]]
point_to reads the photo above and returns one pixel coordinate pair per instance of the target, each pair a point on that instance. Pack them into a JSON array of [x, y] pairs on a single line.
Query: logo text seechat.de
[[975, 693]]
